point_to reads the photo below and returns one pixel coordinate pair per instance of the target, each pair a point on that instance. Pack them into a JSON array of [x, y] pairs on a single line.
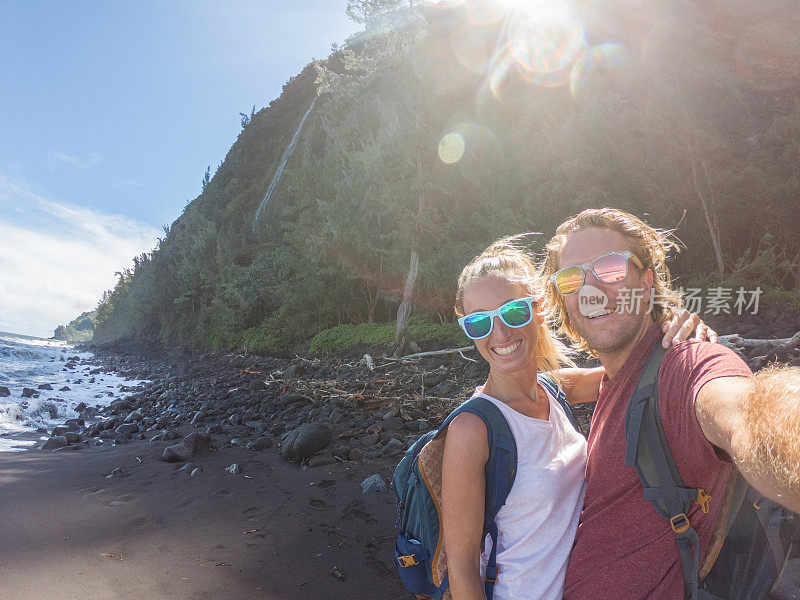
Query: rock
[[234, 419], [74, 424], [305, 441], [338, 573], [136, 415], [257, 385], [192, 445], [393, 424], [195, 471], [29, 393], [45, 386], [293, 371], [72, 437], [373, 483], [321, 460], [393, 446], [126, 429], [114, 473], [198, 417], [355, 454], [234, 469], [261, 443], [58, 441], [370, 439], [60, 430], [4, 392], [66, 388]]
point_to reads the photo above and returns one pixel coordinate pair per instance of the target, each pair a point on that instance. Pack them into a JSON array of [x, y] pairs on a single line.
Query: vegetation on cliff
[[443, 127]]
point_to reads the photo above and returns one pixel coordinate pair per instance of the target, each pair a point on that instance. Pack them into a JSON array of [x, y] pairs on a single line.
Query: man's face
[[606, 332]]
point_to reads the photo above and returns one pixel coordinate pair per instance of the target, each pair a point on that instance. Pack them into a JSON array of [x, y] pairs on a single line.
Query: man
[[716, 414]]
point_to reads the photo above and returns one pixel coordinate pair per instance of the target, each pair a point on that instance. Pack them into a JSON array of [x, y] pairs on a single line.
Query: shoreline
[[103, 516]]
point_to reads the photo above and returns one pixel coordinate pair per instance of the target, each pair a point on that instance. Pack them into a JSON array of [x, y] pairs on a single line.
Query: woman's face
[[506, 349]]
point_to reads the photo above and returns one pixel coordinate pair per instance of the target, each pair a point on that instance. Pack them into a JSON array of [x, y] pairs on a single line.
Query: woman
[[496, 300]]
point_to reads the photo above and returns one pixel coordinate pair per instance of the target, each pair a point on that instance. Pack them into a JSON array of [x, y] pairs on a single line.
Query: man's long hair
[[648, 244]]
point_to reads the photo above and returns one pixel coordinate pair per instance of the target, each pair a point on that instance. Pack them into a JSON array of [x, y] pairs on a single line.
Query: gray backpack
[[757, 551]]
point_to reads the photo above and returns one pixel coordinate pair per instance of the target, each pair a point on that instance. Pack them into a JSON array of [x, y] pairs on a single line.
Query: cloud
[[56, 260], [127, 183], [76, 161]]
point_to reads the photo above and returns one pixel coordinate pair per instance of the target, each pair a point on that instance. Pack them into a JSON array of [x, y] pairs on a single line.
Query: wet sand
[[271, 532]]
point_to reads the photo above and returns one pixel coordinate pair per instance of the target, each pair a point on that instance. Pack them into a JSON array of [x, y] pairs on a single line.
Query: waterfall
[[284, 159]]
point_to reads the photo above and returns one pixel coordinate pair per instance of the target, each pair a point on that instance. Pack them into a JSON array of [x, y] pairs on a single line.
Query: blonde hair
[[507, 258], [648, 244]]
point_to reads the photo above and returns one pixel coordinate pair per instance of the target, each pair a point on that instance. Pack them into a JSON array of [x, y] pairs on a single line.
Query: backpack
[[417, 482], [754, 553]]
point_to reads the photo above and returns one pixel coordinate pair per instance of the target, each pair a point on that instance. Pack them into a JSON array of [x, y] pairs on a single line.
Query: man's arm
[[756, 420]]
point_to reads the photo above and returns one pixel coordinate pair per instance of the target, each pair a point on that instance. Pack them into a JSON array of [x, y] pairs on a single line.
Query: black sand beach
[[272, 531]]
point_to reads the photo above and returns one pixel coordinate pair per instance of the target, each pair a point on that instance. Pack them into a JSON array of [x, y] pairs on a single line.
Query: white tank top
[[537, 524]]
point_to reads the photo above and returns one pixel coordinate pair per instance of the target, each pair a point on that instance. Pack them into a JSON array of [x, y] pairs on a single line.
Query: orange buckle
[[757, 507], [703, 499], [683, 527], [494, 581], [407, 561]]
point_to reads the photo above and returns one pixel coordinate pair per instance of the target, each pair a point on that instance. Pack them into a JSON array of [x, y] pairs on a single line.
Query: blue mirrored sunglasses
[[515, 313]]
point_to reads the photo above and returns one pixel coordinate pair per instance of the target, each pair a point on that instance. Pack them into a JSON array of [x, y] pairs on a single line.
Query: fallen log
[[435, 352], [735, 340]]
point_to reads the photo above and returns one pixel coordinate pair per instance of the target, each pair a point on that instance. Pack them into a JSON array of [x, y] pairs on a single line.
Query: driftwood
[[735, 340], [435, 352]]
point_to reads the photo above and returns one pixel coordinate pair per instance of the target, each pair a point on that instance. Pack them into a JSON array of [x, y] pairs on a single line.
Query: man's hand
[[684, 325]]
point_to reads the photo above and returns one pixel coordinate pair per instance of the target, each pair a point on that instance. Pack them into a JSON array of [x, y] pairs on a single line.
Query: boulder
[[57, 441], [136, 415], [305, 441], [192, 445], [29, 393], [4, 392], [126, 429], [45, 386]]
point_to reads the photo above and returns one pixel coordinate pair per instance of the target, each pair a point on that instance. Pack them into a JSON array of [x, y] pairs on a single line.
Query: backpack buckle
[[407, 561], [703, 499], [677, 525], [493, 580]]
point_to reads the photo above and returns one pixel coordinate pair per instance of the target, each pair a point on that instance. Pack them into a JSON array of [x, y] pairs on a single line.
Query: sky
[[110, 113]]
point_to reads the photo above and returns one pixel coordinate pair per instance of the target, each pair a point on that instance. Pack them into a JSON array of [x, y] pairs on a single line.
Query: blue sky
[[109, 115]]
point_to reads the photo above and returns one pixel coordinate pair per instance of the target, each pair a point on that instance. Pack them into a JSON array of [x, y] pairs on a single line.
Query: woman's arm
[[582, 385], [466, 451]]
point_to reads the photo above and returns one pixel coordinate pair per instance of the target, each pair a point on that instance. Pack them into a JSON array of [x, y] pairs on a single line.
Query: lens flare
[[545, 39], [605, 62], [451, 148], [540, 40]]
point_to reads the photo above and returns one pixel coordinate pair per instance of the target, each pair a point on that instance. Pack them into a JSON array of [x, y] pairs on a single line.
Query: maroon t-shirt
[[623, 549]]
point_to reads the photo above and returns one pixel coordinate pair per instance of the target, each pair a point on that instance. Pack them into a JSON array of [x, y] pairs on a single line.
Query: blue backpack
[[419, 551]]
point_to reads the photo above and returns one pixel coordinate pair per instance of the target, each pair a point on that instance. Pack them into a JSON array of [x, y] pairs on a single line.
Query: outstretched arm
[[757, 422], [582, 385]]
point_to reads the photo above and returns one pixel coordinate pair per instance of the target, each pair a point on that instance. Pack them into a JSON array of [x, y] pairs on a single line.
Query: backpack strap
[[548, 383], [647, 450], [501, 469]]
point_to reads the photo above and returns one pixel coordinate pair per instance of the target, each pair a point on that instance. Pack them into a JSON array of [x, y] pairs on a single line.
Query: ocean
[[28, 362]]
